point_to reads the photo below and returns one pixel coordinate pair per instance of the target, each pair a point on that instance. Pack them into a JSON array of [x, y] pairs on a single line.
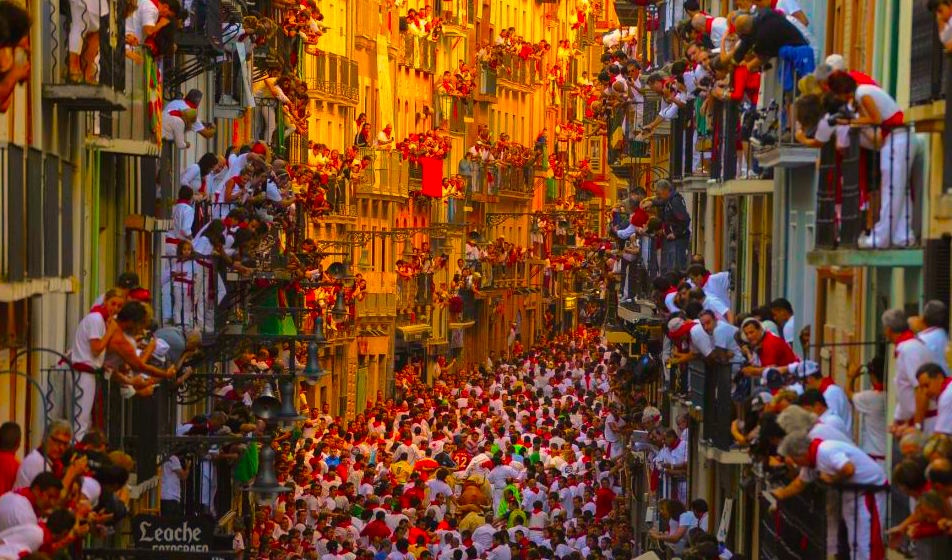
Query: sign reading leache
[[174, 533]]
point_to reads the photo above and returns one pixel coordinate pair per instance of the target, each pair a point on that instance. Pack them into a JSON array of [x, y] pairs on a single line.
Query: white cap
[[805, 369], [837, 62]]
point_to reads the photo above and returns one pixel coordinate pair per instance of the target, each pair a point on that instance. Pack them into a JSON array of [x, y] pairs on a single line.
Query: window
[[926, 58]]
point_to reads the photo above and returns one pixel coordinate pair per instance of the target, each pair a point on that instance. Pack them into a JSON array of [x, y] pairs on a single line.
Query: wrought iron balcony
[[332, 77], [419, 53], [388, 175], [456, 110], [72, 77]]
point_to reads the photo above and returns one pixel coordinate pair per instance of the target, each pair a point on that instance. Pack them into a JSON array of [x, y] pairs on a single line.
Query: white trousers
[[84, 19], [895, 158], [858, 520]]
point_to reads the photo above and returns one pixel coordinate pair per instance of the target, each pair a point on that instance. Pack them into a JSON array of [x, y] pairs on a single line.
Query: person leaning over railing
[[883, 129], [861, 481]]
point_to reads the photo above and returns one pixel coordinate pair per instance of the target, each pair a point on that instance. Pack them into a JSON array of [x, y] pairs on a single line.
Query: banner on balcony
[[432, 177], [594, 188]]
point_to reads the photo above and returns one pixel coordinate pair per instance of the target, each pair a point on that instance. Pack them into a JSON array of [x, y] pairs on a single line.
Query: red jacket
[[774, 351]]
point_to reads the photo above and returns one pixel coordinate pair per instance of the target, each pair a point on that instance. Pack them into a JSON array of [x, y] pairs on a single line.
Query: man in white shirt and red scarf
[[833, 394], [87, 356], [936, 387], [912, 409], [863, 502]]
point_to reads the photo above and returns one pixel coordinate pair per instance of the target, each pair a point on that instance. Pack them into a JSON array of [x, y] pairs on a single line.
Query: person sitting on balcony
[[837, 462], [14, 50]]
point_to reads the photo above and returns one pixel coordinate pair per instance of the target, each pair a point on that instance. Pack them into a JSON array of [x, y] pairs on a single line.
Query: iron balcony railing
[[487, 80], [332, 75], [419, 53], [456, 110], [846, 210], [86, 58], [625, 143], [387, 175]]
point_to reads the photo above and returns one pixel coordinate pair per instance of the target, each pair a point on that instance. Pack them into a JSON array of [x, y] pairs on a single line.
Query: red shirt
[[639, 217], [9, 465], [604, 500], [774, 351], [376, 528]]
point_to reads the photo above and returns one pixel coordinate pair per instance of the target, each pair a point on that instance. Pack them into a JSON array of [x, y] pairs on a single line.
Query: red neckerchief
[[674, 445], [190, 104], [903, 336], [175, 113], [878, 387], [945, 383], [708, 24], [101, 309], [704, 280], [681, 332], [183, 201], [825, 384], [669, 291], [812, 452]]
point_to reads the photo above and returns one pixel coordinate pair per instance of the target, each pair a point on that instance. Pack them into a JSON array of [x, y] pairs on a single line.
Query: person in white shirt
[[200, 176], [87, 356], [934, 334], [47, 457], [83, 44], [385, 138], [782, 312], [790, 8], [714, 27], [842, 462], [911, 353], [173, 473], [937, 387], [716, 285], [19, 509], [870, 405], [834, 396], [191, 101], [174, 126]]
